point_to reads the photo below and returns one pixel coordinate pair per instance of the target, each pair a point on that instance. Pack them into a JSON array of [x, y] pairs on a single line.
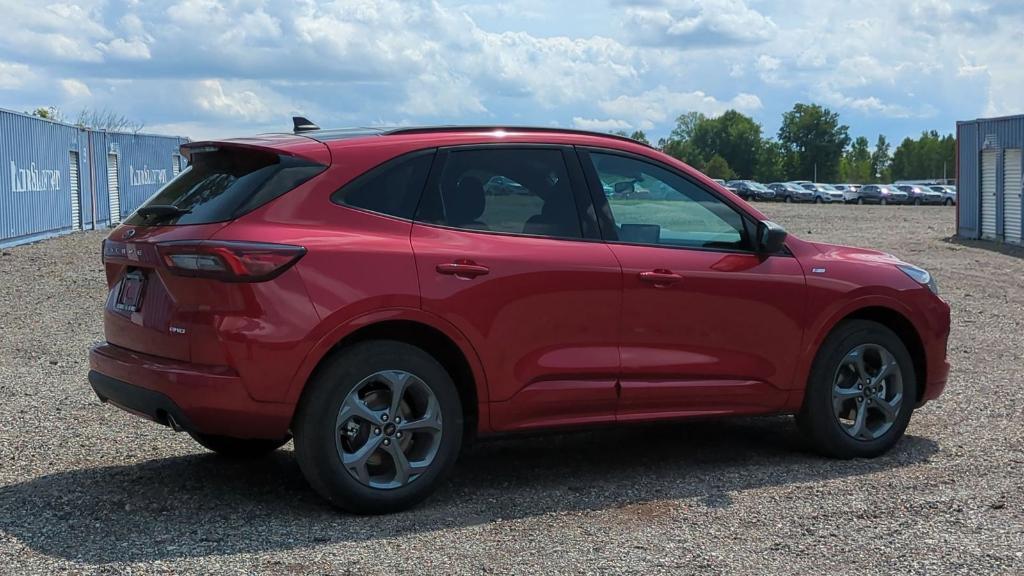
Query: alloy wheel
[[388, 429], [867, 392]]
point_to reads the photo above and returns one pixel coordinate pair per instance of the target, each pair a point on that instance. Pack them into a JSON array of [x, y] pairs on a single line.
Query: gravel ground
[[85, 488]]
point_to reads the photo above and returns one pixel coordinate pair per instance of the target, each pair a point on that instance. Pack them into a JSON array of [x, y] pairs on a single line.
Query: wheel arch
[[445, 343], [890, 317], [908, 334]]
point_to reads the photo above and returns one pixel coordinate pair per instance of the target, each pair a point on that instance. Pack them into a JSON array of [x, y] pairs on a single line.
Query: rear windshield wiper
[[157, 212]]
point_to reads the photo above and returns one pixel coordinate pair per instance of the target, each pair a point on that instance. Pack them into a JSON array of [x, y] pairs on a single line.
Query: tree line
[[97, 119], [812, 144]]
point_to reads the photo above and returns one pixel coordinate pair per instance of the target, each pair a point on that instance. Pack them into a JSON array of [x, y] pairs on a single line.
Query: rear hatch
[[165, 276]]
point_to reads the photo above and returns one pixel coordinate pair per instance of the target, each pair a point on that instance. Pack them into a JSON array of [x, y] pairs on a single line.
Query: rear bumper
[[204, 399]]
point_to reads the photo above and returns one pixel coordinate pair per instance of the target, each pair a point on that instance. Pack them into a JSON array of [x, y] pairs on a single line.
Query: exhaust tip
[[174, 423]]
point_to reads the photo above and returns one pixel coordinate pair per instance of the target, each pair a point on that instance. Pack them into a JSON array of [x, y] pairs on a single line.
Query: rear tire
[[948, 202], [789, 199], [356, 408], [238, 448], [851, 409], [860, 201], [818, 200]]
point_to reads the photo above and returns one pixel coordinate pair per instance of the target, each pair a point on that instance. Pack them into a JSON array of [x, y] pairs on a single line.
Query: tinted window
[[226, 183], [393, 188], [518, 191], [652, 205]]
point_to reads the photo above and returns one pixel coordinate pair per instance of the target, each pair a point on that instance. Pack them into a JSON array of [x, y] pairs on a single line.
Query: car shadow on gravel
[[201, 505], [990, 245]]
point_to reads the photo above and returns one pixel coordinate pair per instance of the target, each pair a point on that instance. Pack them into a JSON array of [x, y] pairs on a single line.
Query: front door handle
[[465, 269], [660, 277]]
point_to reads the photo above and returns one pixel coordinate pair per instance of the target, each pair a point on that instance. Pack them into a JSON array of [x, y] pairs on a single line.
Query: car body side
[[360, 278]]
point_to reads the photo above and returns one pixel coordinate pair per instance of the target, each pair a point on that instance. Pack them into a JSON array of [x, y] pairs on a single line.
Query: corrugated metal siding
[[968, 180], [1012, 159], [34, 196], [974, 137], [145, 165], [75, 190], [36, 181], [989, 181]]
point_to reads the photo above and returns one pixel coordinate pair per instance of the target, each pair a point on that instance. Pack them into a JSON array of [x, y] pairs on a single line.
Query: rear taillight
[[229, 261]]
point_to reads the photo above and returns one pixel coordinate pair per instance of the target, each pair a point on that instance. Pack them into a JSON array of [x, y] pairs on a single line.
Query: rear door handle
[[660, 277], [463, 269]]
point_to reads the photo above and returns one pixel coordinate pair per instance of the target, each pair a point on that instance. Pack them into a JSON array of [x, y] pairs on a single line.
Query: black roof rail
[[548, 129]]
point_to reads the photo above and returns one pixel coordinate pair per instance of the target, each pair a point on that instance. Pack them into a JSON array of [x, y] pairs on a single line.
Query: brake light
[[229, 261]]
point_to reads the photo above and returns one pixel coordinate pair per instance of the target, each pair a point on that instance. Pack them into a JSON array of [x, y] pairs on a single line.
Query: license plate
[[129, 298]]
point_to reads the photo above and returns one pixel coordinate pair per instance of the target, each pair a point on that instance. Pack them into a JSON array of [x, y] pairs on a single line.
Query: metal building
[[989, 168], [58, 178]]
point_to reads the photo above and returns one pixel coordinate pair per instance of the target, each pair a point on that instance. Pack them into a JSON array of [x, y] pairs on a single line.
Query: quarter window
[[393, 188], [510, 190], [651, 205]]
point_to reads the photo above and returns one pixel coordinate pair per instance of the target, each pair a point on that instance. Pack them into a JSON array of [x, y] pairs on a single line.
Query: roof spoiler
[[301, 124]]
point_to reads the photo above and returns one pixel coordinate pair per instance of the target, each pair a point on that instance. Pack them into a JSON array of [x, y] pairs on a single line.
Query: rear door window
[[509, 190], [225, 183]]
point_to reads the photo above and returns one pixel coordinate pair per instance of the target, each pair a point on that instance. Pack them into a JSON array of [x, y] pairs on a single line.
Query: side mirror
[[771, 238]]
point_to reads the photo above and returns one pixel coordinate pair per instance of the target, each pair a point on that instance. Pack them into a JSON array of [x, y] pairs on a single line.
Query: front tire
[[238, 448], [861, 392], [379, 427]]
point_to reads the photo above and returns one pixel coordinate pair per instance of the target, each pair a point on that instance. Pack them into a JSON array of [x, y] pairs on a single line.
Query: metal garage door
[[1011, 195], [113, 190], [76, 192], [988, 193]]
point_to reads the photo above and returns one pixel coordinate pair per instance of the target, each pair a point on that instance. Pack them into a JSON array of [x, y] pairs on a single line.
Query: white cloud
[[694, 23], [211, 97], [13, 75], [121, 49], [662, 105], [75, 89], [239, 66], [596, 125]]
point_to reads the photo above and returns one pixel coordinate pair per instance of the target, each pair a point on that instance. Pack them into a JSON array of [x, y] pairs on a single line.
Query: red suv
[[381, 296]]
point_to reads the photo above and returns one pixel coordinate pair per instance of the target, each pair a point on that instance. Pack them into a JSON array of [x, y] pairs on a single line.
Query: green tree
[[771, 162], [686, 124], [683, 150], [733, 136], [880, 161], [814, 140], [49, 113], [640, 137], [718, 167], [930, 156], [856, 164]]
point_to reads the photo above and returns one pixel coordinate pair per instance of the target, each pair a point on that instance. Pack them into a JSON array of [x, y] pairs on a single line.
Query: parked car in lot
[[364, 293], [499, 185], [948, 194], [849, 192], [824, 193], [917, 194], [880, 194], [790, 192], [750, 190]]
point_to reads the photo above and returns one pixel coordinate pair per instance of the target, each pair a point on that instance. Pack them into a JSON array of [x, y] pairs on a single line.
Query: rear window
[[226, 183]]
